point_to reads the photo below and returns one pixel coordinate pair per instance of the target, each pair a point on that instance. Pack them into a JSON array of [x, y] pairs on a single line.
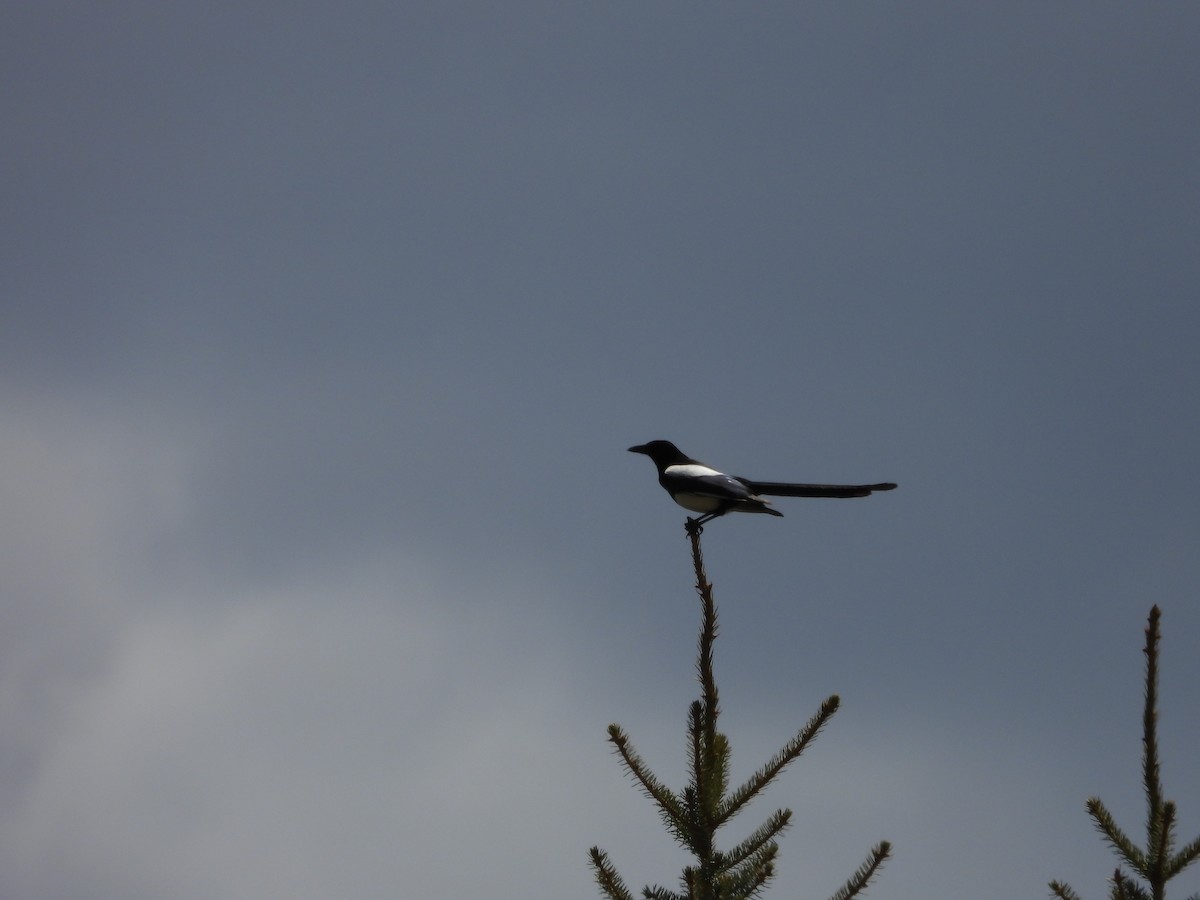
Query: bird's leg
[[698, 523]]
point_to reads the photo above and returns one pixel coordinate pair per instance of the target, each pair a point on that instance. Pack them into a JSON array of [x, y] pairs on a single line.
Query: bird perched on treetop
[[702, 489]]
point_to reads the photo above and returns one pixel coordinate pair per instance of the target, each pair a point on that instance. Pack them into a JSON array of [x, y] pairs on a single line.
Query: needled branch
[[1183, 859], [1157, 863], [661, 893], [668, 804], [762, 836], [606, 876], [1125, 888], [1063, 891], [709, 749], [1112, 833], [694, 814], [858, 881], [797, 745], [1151, 779]]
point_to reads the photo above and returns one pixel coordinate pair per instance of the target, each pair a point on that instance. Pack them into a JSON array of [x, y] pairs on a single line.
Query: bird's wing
[[786, 489], [692, 478]]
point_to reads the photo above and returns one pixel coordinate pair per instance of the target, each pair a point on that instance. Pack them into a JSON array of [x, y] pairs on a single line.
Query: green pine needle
[[1063, 891], [1158, 863], [694, 815]]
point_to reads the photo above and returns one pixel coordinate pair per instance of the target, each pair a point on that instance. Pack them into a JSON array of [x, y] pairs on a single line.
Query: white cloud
[[355, 729], [339, 738]]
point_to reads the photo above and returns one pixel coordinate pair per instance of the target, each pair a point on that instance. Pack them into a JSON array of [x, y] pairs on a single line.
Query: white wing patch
[[692, 470], [703, 486]]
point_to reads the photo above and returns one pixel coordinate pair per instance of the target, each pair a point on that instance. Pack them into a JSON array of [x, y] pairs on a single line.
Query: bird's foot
[[693, 526]]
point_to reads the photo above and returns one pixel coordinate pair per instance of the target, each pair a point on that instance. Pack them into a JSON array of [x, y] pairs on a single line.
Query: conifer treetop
[[1157, 862], [693, 815]]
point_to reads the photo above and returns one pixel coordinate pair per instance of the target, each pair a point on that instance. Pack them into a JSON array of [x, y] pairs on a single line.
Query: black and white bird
[[702, 489]]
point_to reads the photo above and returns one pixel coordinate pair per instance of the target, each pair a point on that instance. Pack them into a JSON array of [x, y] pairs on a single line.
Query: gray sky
[[323, 332]]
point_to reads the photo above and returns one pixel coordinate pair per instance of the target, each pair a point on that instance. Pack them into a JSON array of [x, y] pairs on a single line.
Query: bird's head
[[664, 453]]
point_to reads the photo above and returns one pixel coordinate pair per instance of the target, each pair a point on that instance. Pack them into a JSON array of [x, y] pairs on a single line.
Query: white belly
[[697, 503]]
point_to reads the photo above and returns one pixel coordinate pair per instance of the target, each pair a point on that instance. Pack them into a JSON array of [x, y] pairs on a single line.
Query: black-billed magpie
[[700, 488]]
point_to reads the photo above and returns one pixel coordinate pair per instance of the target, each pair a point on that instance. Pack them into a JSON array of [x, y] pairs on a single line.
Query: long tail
[[784, 489]]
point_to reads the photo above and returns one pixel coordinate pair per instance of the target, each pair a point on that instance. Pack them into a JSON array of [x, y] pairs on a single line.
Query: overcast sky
[[324, 329]]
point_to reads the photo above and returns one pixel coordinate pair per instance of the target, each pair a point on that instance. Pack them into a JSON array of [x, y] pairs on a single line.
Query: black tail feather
[[784, 489]]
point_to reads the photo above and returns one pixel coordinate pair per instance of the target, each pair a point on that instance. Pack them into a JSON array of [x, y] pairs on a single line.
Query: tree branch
[[668, 803], [859, 880], [606, 876], [797, 745]]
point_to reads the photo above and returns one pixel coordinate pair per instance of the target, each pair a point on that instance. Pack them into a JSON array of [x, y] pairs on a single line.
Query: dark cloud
[[322, 334]]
